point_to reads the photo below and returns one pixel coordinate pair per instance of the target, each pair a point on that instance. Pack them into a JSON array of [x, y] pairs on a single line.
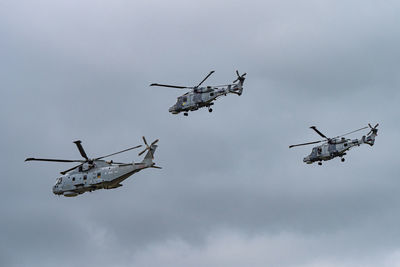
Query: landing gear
[[185, 114], [210, 110], [342, 159], [320, 163]]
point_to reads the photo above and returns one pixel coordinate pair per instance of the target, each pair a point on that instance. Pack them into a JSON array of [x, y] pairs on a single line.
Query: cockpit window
[[184, 99], [59, 180]]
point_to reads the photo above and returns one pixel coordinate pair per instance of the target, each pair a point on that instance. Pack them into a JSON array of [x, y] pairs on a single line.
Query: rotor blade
[[155, 142], [211, 72], [170, 86], [118, 152], [318, 132], [147, 149], [372, 128], [310, 143], [144, 140], [142, 151], [81, 150], [237, 73], [64, 172], [353, 131], [55, 160]]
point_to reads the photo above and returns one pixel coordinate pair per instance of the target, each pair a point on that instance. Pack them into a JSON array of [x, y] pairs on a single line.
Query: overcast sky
[[230, 193]]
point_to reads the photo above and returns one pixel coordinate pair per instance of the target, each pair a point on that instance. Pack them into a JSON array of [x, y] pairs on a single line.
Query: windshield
[[59, 180]]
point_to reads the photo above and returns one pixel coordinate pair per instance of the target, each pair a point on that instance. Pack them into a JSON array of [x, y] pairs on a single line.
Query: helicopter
[[94, 174], [337, 146], [200, 97]]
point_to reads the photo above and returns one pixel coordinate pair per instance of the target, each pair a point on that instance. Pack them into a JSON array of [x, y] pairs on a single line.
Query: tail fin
[[237, 88], [148, 158], [370, 138]]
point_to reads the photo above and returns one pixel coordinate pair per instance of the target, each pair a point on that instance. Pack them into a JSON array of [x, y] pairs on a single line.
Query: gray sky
[[230, 193]]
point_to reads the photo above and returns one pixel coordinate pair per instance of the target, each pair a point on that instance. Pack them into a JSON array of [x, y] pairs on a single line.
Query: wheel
[[319, 163], [185, 114], [210, 110], [342, 159]]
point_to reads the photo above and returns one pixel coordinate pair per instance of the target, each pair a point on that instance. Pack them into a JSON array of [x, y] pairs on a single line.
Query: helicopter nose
[[56, 190], [173, 110]]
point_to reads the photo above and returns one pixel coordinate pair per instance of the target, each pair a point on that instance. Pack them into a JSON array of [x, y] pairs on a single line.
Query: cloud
[[230, 189]]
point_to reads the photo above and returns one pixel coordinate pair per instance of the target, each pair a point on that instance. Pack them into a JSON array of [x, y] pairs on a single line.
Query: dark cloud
[[230, 193]]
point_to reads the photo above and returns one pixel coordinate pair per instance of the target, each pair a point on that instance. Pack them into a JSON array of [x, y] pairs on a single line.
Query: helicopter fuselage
[[337, 147], [202, 97], [95, 173], [330, 150], [100, 175]]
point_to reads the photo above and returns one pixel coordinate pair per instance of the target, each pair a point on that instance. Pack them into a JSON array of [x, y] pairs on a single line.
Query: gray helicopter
[[204, 96], [337, 146], [94, 174]]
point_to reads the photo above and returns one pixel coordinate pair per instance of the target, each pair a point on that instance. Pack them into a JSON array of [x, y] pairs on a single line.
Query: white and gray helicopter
[[96, 173], [204, 96], [337, 146]]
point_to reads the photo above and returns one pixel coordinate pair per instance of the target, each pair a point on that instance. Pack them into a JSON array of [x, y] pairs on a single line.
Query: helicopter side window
[[98, 174], [211, 94], [80, 168], [184, 99], [84, 177], [319, 150], [73, 178]]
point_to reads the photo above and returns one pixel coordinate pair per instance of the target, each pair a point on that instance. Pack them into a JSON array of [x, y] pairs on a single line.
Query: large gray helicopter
[[204, 96], [337, 146], [94, 174]]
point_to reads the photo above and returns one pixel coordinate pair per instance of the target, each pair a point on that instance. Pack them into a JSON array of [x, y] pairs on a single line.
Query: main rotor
[[330, 140], [184, 87], [240, 78], [83, 154]]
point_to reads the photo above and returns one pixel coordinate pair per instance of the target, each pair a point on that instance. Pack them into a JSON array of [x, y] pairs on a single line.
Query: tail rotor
[[240, 78], [373, 129], [148, 147]]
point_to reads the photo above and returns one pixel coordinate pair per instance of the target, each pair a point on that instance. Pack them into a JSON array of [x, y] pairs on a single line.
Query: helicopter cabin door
[[197, 98], [94, 176]]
